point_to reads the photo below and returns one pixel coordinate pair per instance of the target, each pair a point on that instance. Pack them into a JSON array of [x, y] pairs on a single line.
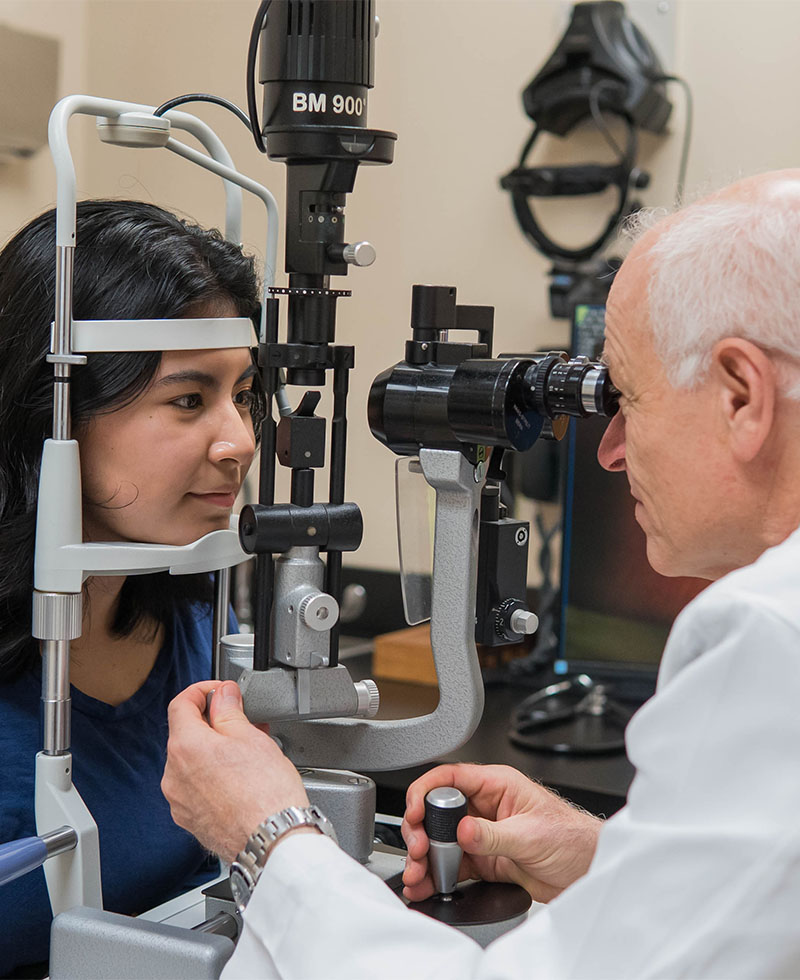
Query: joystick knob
[[444, 808]]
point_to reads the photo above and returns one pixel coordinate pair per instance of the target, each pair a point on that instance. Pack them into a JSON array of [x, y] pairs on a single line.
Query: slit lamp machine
[[449, 409]]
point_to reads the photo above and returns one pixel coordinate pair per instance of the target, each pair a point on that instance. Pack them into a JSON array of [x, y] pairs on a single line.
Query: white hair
[[725, 268]]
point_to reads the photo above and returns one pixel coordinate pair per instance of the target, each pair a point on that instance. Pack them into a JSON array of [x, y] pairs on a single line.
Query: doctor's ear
[[747, 386]]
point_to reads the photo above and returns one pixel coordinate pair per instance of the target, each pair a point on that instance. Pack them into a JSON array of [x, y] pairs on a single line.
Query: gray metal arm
[[360, 744]]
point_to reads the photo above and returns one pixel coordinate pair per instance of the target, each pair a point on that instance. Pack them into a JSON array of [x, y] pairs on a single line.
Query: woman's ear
[[747, 387]]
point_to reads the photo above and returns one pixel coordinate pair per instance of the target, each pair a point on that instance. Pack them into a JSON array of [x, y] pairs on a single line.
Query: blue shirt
[[118, 756]]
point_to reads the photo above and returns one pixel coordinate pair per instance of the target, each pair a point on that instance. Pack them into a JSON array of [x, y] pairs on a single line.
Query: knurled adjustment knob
[[503, 615], [369, 698], [359, 254], [444, 808], [543, 369], [319, 611]]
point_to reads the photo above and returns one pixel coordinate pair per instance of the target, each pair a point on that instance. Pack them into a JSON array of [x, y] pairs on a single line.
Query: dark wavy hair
[[132, 261]]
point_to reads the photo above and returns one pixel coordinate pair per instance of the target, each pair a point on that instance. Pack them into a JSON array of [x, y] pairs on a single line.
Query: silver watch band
[[249, 863]]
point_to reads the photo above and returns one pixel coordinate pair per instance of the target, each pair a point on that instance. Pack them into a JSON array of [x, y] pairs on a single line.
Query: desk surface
[[599, 783]]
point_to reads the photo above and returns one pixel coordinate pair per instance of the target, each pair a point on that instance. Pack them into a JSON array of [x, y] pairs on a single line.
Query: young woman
[[165, 442]]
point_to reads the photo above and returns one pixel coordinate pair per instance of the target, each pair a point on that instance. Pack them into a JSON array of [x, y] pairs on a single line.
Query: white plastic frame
[[62, 559]]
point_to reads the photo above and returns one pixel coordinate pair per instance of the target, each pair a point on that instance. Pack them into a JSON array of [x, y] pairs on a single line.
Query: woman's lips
[[223, 499]]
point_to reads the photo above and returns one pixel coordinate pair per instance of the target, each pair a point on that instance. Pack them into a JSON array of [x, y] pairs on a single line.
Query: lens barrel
[[484, 401], [478, 402], [577, 387]]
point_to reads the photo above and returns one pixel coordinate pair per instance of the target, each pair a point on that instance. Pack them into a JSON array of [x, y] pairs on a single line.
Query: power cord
[[203, 97], [687, 133], [252, 54]]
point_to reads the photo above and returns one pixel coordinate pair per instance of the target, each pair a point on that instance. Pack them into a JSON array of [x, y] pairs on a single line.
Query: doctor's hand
[[515, 830], [224, 776]]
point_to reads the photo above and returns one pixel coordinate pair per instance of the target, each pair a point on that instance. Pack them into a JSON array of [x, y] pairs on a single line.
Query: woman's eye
[[245, 397], [191, 401]]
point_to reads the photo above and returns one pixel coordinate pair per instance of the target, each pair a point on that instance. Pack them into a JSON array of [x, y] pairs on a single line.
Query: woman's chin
[[180, 537], [201, 532]]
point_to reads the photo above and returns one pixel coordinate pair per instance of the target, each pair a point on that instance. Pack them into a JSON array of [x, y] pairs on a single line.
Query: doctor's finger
[[418, 893], [446, 775], [189, 706], [414, 871], [415, 837], [483, 786]]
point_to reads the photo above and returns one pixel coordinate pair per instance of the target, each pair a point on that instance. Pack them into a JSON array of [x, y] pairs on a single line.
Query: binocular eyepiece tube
[[507, 402], [571, 386]]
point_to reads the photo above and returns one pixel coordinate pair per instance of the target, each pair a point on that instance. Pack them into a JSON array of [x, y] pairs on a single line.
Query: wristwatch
[[249, 863]]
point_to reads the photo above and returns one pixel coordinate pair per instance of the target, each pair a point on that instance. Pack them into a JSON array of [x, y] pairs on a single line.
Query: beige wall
[[449, 74], [26, 188]]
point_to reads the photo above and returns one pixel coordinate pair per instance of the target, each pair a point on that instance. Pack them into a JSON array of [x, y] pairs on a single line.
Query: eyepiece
[[451, 395], [577, 387], [598, 391], [484, 401]]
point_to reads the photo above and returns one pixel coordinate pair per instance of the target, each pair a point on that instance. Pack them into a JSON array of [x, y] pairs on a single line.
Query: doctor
[[699, 874]]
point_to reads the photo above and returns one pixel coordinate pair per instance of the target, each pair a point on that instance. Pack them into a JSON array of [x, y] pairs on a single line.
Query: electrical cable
[[249, 118], [527, 148], [250, 81], [597, 116], [687, 133], [202, 97]]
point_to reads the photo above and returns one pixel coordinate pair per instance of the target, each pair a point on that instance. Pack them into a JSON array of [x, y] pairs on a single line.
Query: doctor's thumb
[[226, 706], [479, 836]]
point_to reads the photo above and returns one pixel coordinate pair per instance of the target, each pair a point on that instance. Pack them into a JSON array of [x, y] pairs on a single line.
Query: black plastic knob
[[444, 808]]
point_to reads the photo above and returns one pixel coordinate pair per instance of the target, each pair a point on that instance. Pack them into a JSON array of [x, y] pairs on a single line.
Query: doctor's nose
[[611, 451]]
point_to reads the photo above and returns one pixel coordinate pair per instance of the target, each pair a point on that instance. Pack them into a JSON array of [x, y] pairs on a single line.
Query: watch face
[[239, 889]]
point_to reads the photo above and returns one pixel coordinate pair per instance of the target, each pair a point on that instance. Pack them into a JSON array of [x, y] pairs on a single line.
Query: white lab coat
[[698, 875]]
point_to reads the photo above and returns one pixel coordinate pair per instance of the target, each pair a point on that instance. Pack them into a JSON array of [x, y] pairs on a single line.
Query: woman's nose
[[611, 451], [233, 437]]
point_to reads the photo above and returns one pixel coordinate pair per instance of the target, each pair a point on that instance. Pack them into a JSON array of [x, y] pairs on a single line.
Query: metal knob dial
[[319, 611], [524, 622], [513, 619], [369, 698], [359, 253]]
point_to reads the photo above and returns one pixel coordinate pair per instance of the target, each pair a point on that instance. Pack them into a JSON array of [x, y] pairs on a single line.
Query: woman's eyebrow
[[201, 378], [192, 377]]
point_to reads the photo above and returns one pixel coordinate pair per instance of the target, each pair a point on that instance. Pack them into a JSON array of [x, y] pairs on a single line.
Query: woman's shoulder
[[19, 700], [19, 742]]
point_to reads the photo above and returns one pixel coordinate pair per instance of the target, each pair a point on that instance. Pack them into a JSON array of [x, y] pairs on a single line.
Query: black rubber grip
[[441, 821]]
